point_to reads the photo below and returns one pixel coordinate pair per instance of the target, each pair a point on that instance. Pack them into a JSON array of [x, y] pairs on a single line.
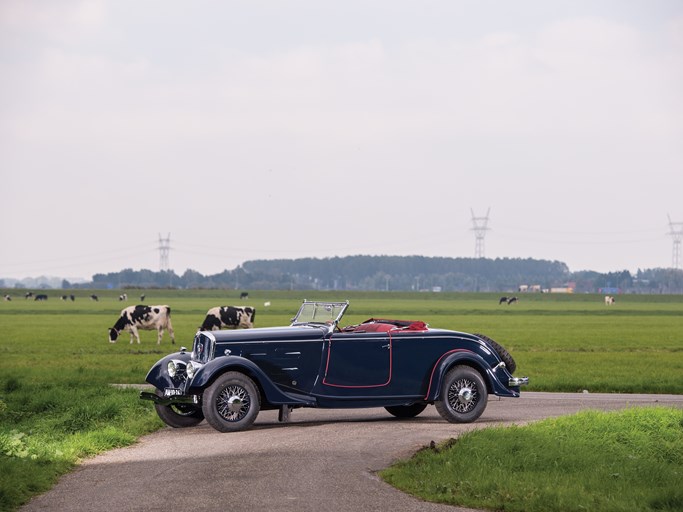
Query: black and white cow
[[143, 317], [231, 317], [8, 297], [507, 300], [40, 296], [244, 295], [94, 297]]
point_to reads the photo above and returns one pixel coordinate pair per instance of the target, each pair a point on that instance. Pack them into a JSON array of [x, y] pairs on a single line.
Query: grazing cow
[[29, 295], [7, 297], [609, 300], [231, 317], [142, 297], [512, 300], [123, 296], [41, 296], [143, 317], [94, 297], [72, 297], [502, 300], [244, 295], [63, 297]]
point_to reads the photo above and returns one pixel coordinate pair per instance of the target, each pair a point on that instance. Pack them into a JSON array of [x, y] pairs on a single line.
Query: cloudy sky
[[308, 128]]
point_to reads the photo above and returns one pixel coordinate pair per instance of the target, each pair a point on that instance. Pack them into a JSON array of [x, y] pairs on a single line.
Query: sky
[[309, 128]]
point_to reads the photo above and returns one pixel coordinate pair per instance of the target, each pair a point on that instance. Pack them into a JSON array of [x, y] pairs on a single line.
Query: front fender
[[158, 375], [216, 367], [494, 378]]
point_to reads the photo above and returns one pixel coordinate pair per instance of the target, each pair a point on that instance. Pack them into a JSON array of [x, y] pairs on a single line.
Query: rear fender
[[216, 367], [493, 378]]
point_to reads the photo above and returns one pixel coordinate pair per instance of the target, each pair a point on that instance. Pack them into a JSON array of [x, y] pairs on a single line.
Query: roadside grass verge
[[603, 462], [47, 427]]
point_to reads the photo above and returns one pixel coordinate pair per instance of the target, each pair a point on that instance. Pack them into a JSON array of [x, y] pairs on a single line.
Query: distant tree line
[[398, 273]]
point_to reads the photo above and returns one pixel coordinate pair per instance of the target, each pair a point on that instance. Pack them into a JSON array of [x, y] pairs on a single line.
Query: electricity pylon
[[480, 228], [164, 249], [676, 232]]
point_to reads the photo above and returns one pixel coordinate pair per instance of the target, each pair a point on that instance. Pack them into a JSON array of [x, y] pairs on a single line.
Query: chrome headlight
[[191, 368], [175, 368]]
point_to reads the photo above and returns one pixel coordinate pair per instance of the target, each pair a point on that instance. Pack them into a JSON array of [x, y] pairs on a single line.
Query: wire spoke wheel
[[406, 411], [179, 415], [231, 403], [464, 395]]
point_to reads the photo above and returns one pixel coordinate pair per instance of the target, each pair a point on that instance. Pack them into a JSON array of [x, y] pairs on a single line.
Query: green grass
[[48, 424], [57, 404], [617, 461]]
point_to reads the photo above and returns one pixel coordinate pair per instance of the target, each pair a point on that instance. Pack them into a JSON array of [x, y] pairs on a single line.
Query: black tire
[[179, 415], [406, 411], [231, 403], [502, 353], [463, 396]]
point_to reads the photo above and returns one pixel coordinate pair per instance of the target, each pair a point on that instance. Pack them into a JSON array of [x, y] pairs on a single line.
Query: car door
[[358, 361], [290, 357]]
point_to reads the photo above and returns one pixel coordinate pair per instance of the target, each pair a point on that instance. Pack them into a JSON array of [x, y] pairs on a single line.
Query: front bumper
[[170, 400]]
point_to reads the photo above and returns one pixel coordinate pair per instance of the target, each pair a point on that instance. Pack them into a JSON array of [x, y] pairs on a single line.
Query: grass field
[[562, 342], [57, 403]]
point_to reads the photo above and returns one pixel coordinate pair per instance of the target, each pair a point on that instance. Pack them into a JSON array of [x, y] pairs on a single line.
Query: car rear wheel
[[463, 395], [231, 403], [179, 415], [406, 411]]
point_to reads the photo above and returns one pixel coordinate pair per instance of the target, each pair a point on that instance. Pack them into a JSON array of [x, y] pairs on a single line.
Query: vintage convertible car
[[400, 365]]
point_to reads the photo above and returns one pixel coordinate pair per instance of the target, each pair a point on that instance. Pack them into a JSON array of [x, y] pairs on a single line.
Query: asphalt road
[[323, 460]]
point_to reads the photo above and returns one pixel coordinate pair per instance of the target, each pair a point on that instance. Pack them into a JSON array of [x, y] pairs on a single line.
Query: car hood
[[270, 333]]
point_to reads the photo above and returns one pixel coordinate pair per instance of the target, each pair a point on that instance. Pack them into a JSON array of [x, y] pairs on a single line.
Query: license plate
[[172, 392]]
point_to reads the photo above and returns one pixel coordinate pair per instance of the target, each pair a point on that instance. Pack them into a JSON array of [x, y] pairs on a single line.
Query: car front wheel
[[179, 415], [463, 395], [231, 403]]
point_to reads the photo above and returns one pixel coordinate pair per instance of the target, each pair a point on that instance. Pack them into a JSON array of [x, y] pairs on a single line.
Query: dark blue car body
[[400, 365]]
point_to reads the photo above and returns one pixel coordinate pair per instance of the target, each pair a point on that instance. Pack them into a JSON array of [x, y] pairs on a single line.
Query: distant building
[[534, 288]]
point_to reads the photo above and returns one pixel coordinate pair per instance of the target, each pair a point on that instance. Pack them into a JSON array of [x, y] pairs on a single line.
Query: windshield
[[320, 312]]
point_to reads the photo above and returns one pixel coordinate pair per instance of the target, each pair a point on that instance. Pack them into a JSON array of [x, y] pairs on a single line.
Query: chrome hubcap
[[465, 396]]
